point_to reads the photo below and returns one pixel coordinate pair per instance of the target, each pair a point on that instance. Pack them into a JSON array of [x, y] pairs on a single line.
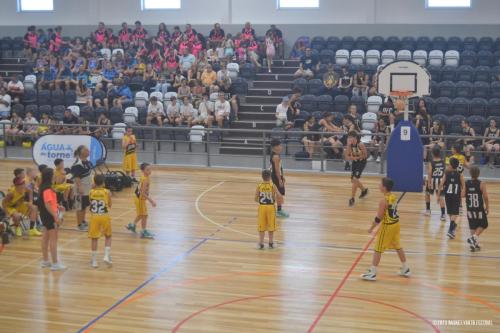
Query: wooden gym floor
[[203, 272]]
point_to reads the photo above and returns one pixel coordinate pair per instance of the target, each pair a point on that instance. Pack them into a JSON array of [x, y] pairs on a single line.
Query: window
[[160, 4], [298, 3], [35, 5], [448, 3]]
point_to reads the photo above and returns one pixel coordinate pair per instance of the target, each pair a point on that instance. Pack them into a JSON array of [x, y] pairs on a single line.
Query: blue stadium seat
[[333, 43], [377, 43], [30, 96], [460, 106], [300, 84], [485, 44], [423, 43], [347, 42], [496, 58], [325, 103], [482, 73], [43, 97], [69, 97], [33, 109], [88, 113], [465, 73], [468, 57], [443, 105], [429, 102], [478, 107], [481, 89], [494, 107], [408, 43], [434, 89], [308, 103], [485, 58], [362, 43], [393, 43], [18, 109], [248, 71], [318, 43], [315, 87], [455, 43], [470, 43], [448, 73], [495, 89], [58, 112], [443, 119], [340, 103], [57, 97], [45, 109], [477, 123], [326, 56], [447, 89], [438, 43], [464, 89], [239, 86], [496, 46], [455, 123], [435, 72], [360, 103]]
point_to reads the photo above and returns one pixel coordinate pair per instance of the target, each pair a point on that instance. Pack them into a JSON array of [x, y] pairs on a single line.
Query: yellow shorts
[[22, 208], [141, 207], [130, 162], [100, 225], [388, 237], [267, 218], [61, 188]]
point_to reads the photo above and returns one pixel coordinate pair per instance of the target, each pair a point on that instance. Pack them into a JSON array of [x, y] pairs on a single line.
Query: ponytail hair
[[78, 151]]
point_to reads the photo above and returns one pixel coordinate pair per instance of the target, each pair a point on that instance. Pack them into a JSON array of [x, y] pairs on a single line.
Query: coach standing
[[82, 175]]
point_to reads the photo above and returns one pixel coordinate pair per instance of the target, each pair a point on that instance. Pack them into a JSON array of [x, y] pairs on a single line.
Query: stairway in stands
[[11, 66], [257, 109]]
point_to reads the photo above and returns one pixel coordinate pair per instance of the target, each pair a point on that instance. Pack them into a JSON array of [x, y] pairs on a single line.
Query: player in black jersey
[[476, 198], [356, 152], [435, 173], [453, 188], [277, 175]]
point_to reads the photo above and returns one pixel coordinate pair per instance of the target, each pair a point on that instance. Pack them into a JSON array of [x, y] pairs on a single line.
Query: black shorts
[[82, 202], [48, 222], [431, 192], [357, 168], [281, 189], [478, 223], [452, 205]]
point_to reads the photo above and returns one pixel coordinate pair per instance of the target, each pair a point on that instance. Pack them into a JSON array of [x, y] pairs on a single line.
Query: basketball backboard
[[404, 76]]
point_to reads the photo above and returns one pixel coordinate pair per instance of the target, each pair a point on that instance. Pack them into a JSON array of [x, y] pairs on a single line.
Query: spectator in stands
[[222, 110], [308, 64], [64, 76], [162, 36], [278, 41], [15, 89], [353, 112], [270, 50], [309, 140], [201, 64], [186, 113], [208, 77], [197, 90], [298, 50], [248, 32], [15, 129], [223, 78], [69, 119], [186, 62], [30, 41], [360, 83], [42, 39], [252, 52], [3, 84], [423, 121], [81, 74], [102, 132], [330, 82], [216, 36], [386, 112], [436, 133], [139, 34], [205, 112], [45, 123], [149, 78], [492, 144], [56, 41], [380, 138], [5, 101], [235, 105], [468, 144], [184, 90], [173, 111], [349, 124], [196, 46], [155, 112], [213, 55], [345, 82], [109, 73], [100, 35], [99, 95], [123, 94], [282, 112], [125, 35], [332, 142], [83, 94]]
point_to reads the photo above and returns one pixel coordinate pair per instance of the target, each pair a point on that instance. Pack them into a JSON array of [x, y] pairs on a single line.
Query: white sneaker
[[427, 212], [369, 276], [443, 218], [405, 273], [369, 159], [107, 260], [378, 159], [94, 263], [57, 267], [45, 264]]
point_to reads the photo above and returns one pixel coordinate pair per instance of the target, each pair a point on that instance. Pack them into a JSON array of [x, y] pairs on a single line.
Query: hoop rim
[[401, 93]]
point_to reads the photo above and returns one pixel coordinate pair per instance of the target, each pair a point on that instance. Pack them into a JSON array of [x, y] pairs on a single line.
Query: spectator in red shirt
[[163, 36], [31, 41], [139, 33], [247, 31], [100, 35], [216, 36], [176, 35], [190, 33], [125, 35], [56, 40]]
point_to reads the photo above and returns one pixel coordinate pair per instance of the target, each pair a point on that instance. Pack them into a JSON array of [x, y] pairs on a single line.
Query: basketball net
[[402, 95]]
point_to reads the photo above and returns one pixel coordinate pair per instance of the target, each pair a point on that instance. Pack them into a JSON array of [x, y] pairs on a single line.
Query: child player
[[356, 153], [453, 186], [389, 233], [60, 184], [141, 196], [462, 162], [477, 202], [277, 175], [100, 220], [266, 195], [435, 173], [129, 146]]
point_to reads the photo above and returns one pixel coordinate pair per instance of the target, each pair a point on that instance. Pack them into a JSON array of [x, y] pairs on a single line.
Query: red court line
[[252, 298], [336, 292]]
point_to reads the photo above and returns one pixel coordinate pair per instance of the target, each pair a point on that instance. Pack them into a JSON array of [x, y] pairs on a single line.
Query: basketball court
[[203, 272]]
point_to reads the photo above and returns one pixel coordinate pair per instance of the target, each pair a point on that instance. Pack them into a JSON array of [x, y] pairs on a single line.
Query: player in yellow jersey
[[388, 233], [129, 145], [60, 183], [266, 195], [141, 197], [18, 203], [100, 220], [456, 153]]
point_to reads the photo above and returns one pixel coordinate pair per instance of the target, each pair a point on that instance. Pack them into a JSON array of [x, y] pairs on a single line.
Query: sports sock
[[405, 266], [428, 205], [94, 254], [107, 251], [32, 224], [443, 211], [373, 269], [279, 208]]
